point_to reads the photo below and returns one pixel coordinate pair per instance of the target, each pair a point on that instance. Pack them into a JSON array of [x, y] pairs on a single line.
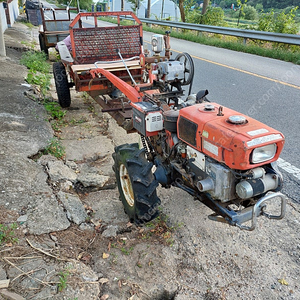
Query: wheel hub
[[126, 185]]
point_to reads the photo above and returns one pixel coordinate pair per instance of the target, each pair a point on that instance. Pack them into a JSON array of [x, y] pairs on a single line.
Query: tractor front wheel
[[136, 183], [61, 84]]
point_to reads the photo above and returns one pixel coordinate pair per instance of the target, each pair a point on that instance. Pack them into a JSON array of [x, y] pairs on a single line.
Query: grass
[[7, 233], [289, 53]]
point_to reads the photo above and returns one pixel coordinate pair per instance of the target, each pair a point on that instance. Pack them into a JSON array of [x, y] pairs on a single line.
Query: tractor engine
[[230, 154]]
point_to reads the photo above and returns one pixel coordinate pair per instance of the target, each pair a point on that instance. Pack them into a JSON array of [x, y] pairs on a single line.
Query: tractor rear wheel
[[62, 84], [136, 183]]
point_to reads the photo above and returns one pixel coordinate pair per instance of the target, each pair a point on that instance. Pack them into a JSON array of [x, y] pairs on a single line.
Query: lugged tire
[[61, 84], [136, 183], [43, 46]]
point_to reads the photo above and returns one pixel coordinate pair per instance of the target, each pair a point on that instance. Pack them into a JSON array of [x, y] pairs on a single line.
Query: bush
[[213, 16], [278, 22], [250, 12], [259, 7], [194, 16]]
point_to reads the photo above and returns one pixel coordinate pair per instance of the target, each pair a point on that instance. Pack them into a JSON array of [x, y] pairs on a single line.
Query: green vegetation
[[39, 68], [126, 251], [55, 148], [7, 233], [63, 279], [84, 4], [35, 61], [161, 229], [283, 22], [38, 75], [55, 110]]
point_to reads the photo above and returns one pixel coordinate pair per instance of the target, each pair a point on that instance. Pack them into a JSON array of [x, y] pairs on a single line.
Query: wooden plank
[[108, 66], [4, 283]]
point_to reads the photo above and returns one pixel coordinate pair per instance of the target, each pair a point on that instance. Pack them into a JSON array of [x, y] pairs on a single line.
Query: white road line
[[286, 166]]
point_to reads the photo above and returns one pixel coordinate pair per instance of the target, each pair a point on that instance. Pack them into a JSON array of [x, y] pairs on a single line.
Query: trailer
[[55, 26]]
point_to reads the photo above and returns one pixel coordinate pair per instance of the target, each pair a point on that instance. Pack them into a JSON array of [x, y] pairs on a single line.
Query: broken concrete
[[75, 210]]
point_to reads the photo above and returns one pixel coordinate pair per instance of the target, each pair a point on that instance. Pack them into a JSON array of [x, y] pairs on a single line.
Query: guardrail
[[293, 39]]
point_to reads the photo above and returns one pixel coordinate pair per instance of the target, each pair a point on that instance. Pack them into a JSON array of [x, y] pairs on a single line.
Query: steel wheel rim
[[126, 185]]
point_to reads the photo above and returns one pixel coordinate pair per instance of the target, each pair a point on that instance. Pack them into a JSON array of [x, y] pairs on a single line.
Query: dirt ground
[[181, 255]]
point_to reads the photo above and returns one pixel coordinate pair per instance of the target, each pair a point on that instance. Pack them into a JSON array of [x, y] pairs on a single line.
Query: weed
[[63, 278], [126, 251], [30, 45], [28, 24], [74, 121], [39, 68], [40, 79], [55, 110], [35, 61], [57, 125], [55, 148], [7, 233], [114, 259], [160, 229]]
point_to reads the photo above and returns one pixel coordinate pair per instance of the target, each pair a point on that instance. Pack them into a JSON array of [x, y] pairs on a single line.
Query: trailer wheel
[[136, 183], [62, 85], [43, 46]]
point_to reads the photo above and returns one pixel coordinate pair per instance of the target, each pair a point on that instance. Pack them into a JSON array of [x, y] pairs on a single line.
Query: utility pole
[[2, 43]]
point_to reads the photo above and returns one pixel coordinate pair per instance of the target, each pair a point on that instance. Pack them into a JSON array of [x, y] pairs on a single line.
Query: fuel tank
[[228, 136]]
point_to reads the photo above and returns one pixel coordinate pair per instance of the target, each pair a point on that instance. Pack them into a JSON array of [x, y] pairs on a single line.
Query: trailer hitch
[[237, 218]]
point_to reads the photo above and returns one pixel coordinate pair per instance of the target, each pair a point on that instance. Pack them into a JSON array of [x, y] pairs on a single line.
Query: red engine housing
[[226, 135]]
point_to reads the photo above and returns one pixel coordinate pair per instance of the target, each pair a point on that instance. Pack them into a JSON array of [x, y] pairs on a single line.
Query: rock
[[3, 275], [85, 226], [110, 231], [72, 164], [82, 273], [107, 207], [39, 271], [48, 216], [84, 149], [66, 186], [23, 182], [59, 171], [93, 180], [75, 209], [45, 159], [22, 219]]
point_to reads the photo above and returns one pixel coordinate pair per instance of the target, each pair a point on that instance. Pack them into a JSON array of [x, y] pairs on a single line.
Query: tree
[[181, 9], [135, 4], [148, 9], [204, 7], [84, 4]]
